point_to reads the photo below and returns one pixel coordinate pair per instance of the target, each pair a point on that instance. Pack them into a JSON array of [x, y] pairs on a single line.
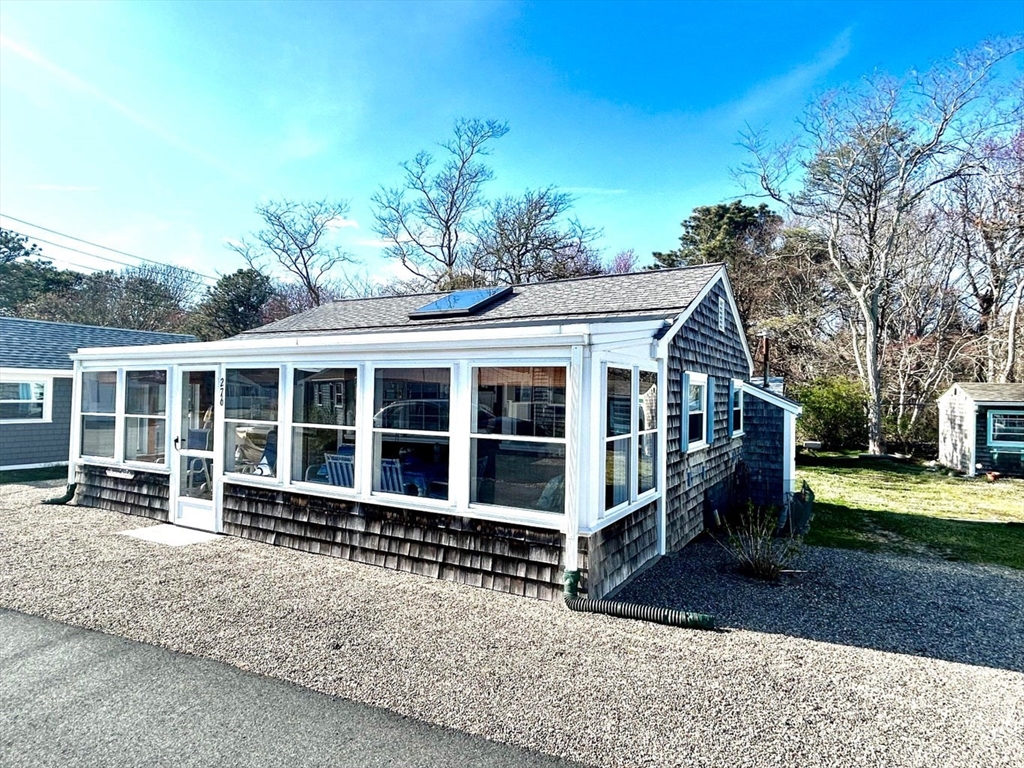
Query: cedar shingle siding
[[145, 494], [40, 442], [617, 551], [763, 427], [516, 559], [700, 481]]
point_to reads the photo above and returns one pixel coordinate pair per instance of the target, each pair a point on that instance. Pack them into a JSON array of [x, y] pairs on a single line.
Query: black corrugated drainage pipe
[[69, 494], [631, 610]]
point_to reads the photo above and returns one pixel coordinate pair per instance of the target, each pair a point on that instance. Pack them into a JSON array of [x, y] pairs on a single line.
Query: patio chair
[[340, 470], [391, 480]]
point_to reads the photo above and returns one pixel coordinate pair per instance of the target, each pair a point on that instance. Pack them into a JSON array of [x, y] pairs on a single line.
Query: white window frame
[[474, 435], [290, 424], [12, 377], [1002, 443], [123, 379], [282, 423], [634, 498], [737, 398], [700, 380], [453, 435], [120, 417]]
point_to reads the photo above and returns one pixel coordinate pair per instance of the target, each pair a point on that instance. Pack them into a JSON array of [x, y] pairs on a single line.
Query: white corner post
[[573, 455], [75, 436]]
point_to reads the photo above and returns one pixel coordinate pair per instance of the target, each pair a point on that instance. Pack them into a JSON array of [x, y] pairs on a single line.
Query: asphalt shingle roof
[[993, 393], [654, 293], [42, 344]]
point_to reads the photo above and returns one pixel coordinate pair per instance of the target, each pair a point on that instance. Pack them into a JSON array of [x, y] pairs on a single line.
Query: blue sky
[[155, 128]]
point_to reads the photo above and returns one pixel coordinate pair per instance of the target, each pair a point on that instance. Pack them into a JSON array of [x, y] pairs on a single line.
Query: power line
[[205, 278], [96, 245]]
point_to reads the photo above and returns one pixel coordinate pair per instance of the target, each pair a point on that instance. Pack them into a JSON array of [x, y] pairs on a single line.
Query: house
[[35, 384], [981, 428], [495, 437]]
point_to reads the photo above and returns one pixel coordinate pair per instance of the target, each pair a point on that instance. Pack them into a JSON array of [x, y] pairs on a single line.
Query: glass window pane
[[697, 428], [411, 465], [146, 392], [196, 477], [411, 399], [251, 394], [620, 387], [647, 461], [326, 396], [22, 390], [21, 411], [98, 436], [1008, 427], [518, 474], [696, 400], [197, 399], [144, 440], [520, 401], [99, 392], [617, 472], [324, 456], [648, 406], [250, 449]]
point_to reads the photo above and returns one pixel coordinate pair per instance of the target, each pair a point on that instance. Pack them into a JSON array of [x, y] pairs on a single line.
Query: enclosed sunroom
[[494, 437]]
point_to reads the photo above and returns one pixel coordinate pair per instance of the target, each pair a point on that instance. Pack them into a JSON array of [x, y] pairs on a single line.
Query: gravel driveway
[[799, 682]]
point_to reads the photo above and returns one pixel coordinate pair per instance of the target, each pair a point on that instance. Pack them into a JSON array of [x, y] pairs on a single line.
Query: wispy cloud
[[75, 83], [62, 188], [340, 222], [794, 83]]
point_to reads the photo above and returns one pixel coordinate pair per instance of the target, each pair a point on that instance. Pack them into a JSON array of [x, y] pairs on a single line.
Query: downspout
[[69, 494], [651, 613]]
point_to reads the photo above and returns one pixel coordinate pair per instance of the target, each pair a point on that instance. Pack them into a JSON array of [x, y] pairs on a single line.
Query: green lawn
[[32, 475], [889, 506]]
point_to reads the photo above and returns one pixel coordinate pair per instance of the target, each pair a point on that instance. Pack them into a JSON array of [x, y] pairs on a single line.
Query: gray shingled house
[[981, 428], [495, 437], [35, 384]]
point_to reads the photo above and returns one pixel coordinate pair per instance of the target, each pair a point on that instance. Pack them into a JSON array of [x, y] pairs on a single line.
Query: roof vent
[[461, 303]]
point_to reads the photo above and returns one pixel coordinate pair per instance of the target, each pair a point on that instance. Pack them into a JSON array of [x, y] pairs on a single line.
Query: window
[[145, 420], [410, 431], [695, 386], [323, 431], [631, 434], [721, 313], [250, 420], [99, 423], [736, 408], [518, 438], [25, 399], [1006, 429]]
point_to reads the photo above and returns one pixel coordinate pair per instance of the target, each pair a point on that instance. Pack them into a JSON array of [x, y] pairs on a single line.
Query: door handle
[[176, 443]]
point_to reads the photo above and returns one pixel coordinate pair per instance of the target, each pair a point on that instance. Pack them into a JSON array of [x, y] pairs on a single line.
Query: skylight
[[461, 302]]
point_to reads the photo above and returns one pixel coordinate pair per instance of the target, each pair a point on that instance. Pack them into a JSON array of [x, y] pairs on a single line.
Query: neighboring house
[[981, 428], [35, 384], [493, 437]]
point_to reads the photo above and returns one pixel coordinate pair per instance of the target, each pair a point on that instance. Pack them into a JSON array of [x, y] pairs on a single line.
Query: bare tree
[[868, 159], [294, 237], [531, 238], [427, 219]]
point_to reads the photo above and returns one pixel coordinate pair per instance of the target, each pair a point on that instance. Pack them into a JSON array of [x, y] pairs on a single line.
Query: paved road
[[73, 697]]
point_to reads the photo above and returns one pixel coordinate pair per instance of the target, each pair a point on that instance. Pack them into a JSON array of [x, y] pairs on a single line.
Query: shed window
[[736, 408], [99, 422], [410, 426], [251, 400], [145, 421], [518, 441], [631, 435], [1006, 429], [24, 400], [323, 431]]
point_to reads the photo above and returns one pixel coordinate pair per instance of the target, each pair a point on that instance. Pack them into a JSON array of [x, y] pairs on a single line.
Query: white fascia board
[[770, 397], [8, 373], [1000, 403], [286, 347], [723, 277]]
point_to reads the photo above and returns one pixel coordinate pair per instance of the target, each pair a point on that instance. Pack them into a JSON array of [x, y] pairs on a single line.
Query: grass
[[888, 506], [32, 475]]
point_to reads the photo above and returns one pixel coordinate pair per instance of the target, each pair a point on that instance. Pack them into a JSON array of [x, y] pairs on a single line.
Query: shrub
[[834, 412], [752, 540]]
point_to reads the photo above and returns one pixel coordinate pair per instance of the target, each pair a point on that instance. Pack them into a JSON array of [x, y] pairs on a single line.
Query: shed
[[769, 452], [35, 384], [981, 428], [494, 437]]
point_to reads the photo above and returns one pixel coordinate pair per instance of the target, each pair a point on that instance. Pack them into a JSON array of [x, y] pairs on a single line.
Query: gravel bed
[[589, 688]]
